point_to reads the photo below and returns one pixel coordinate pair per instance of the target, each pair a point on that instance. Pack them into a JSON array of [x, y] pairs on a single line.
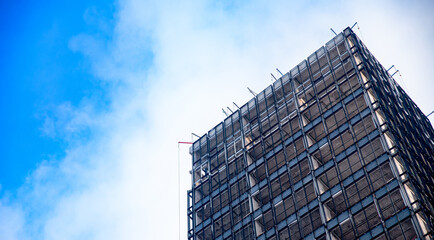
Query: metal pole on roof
[[253, 93], [236, 105], [401, 79], [333, 31], [279, 71], [225, 112], [361, 34], [354, 25]]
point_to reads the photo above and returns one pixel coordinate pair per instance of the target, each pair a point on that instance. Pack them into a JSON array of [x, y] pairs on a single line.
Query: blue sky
[[39, 72], [95, 96]]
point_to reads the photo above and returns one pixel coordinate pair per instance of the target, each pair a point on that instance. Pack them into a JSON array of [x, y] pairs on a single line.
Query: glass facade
[[334, 149]]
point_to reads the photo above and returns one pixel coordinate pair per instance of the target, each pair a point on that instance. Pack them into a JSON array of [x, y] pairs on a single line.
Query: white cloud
[[11, 221], [120, 182]]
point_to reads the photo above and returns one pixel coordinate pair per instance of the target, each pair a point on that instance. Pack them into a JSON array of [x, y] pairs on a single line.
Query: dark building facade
[[334, 149]]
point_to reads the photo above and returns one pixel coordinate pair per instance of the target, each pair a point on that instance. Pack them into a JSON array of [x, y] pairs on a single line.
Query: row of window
[[411, 132], [215, 136], [301, 169], [287, 128], [362, 220], [328, 179], [318, 132]]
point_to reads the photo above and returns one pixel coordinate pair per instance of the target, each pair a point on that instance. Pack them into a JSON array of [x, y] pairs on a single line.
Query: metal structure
[[333, 149]]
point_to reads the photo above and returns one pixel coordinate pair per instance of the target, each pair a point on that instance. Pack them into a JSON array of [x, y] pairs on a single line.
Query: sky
[[95, 96]]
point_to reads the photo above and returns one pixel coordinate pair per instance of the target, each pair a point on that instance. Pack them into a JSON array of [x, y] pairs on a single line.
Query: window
[[348, 66], [299, 146], [349, 165], [324, 83], [321, 156], [232, 169], [391, 203], [310, 113], [283, 113], [344, 231], [290, 152], [356, 106], [240, 211], [216, 162], [259, 173], [226, 221], [333, 54], [256, 151], [269, 123], [339, 73], [314, 66], [327, 180], [335, 120], [310, 221], [246, 233], [322, 58], [315, 134], [289, 128], [366, 219], [268, 220], [305, 96], [228, 130], [224, 197], [357, 191], [202, 191], [380, 176], [372, 150], [207, 233], [252, 136], [300, 170], [363, 127], [287, 89], [218, 227], [280, 184], [278, 92], [215, 181], [342, 142], [304, 195], [262, 196], [349, 86], [203, 213], [216, 203], [402, 231], [264, 222], [275, 162], [284, 208], [261, 103], [329, 100], [234, 191], [284, 234], [273, 140], [238, 188], [294, 231], [335, 205], [240, 164]]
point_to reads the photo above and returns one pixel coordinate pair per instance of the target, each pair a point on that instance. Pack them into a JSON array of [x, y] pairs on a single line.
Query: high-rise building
[[334, 149]]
